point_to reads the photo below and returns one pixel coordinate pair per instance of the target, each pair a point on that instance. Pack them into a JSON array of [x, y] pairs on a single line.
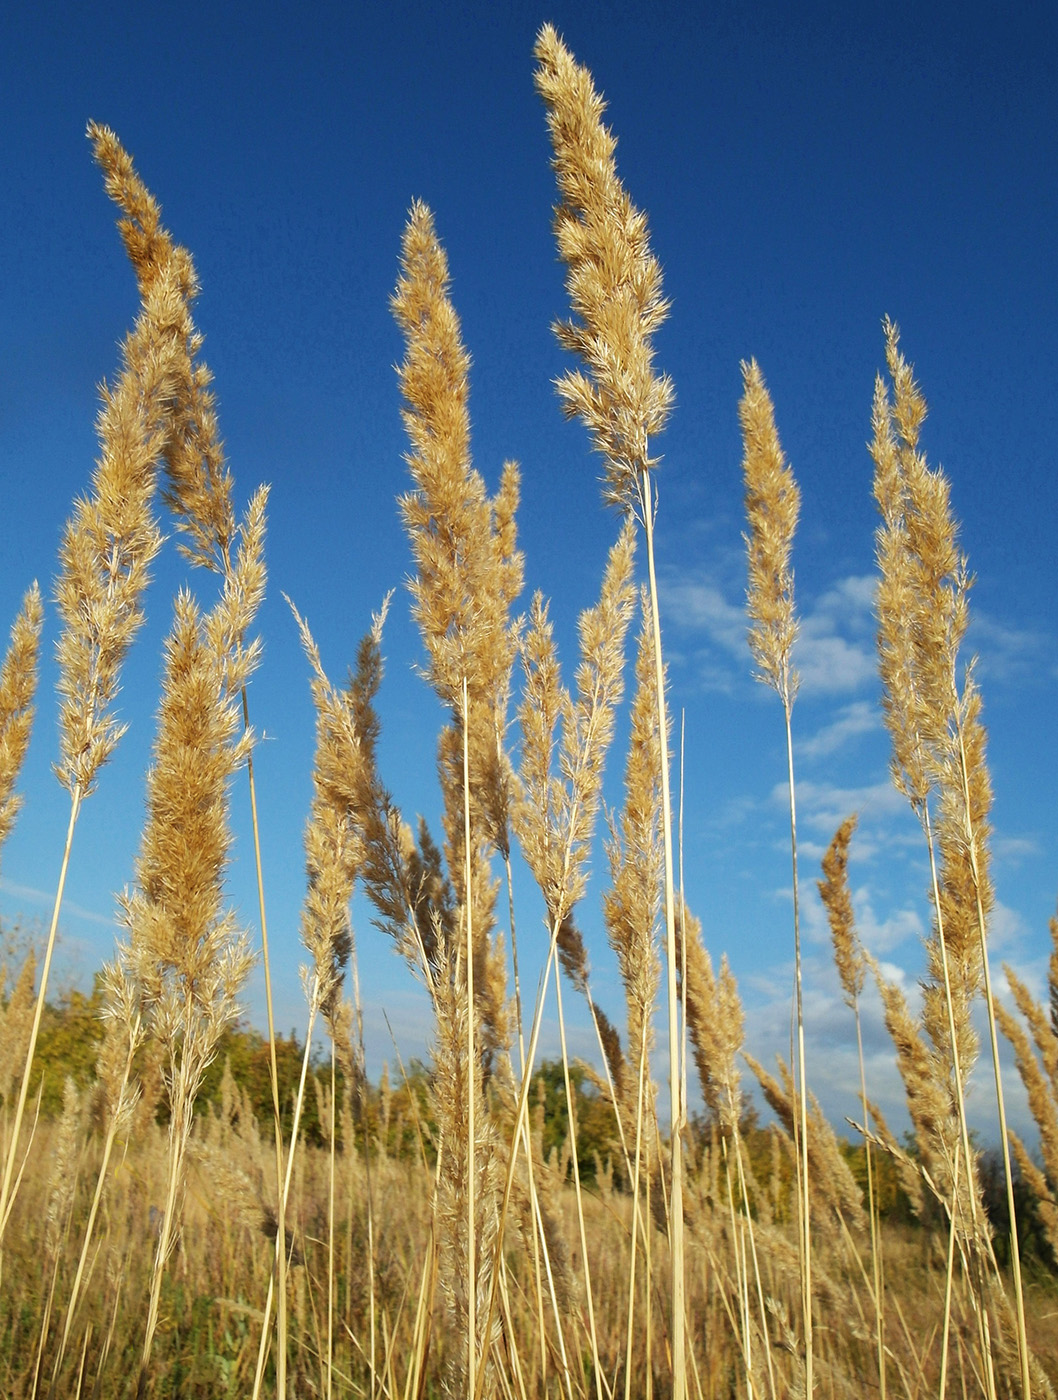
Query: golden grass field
[[165, 1232]]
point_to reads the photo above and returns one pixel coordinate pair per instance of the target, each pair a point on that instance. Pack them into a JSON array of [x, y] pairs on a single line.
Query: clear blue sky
[[806, 170]]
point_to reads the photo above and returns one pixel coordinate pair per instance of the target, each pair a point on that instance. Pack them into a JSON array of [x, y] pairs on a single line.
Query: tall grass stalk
[[772, 505], [199, 486], [106, 553], [938, 756], [123, 1039], [471, 1144], [852, 971], [602, 239], [188, 955], [972, 837]]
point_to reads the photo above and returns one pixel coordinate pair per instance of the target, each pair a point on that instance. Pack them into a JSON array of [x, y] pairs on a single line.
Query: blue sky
[[806, 172]]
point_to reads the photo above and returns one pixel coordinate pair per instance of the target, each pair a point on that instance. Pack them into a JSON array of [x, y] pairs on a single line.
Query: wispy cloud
[[861, 717], [1012, 850], [829, 664], [698, 605], [834, 648], [45, 899], [834, 651], [1011, 654], [822, 807]]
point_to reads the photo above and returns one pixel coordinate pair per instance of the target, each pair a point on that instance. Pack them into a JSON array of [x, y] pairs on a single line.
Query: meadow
[[193, 1215]]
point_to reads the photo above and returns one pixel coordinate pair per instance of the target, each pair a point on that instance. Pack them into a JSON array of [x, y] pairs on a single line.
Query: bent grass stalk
[[107, 549], [199, 488], [852, 970]]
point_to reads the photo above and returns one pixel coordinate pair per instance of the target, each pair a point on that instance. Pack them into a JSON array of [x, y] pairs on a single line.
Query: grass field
[[478, 1227]]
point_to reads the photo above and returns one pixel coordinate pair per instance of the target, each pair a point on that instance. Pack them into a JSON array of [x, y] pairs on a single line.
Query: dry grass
[[724, 1261]]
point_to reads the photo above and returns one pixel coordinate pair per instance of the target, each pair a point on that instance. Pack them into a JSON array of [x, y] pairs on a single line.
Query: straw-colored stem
[[963, 1147], [805, 1202], [97, 1196], [676, 1243], [285, 1180], [7, 1190], [741, 1275], [597, 1370], [179, 1131], [330, 1242], [756, 1263], [472, 1271], [635, 1222], [371, 1289], [948, 1278], [273, 1072], [538, 1234], [1015, 1251], [872, 1206]]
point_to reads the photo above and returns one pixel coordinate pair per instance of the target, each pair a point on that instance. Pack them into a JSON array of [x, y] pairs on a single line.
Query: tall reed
[[105, 558], [614, 285], [933, 717], [852, 972], [772, 505], [18, 685], [198, 486], [189, 957]]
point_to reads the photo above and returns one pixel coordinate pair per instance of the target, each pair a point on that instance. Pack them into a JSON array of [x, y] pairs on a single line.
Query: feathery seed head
[[18, 683], [108, 546], [613, 280], [834, 892], [199, 486], [632, 904], [187, 954], [334, 848], [772, 505], [555, 817]]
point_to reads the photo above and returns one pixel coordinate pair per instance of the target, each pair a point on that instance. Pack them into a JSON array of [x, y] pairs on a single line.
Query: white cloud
[[824, 806], [834, 647], [830, 665], [861, 717], [45, 899], [1012, 850], [834, 651], [1007, 653], [699, 605]]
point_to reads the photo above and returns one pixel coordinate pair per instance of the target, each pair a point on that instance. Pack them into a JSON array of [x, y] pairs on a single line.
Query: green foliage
[[70, 1035], [597, 1136]]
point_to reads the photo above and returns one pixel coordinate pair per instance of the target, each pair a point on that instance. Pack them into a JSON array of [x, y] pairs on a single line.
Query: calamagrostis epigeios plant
[[772, 505], [198, 485], [836, 1197], [614, 286], [334, 851], [188, 956], [716, 1026], [556, 812], [18, 684], [631, 909], [1037, 1061], [922, 616], [852, 971], [105, 557], [468, 573], [632, 905], [938, 762]]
